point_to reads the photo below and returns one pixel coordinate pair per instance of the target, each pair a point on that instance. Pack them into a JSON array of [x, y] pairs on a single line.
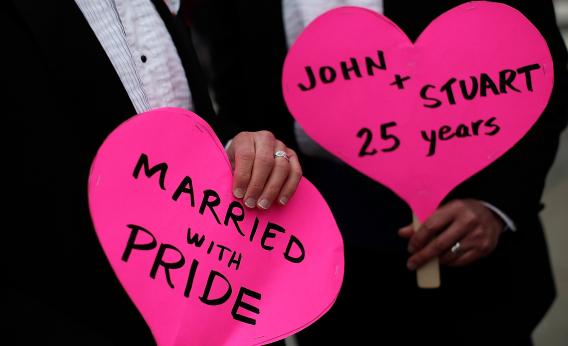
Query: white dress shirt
[[141, 51]]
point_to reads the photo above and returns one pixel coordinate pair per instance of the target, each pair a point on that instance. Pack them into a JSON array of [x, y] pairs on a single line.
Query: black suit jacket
[[506, 293], [67, 99]]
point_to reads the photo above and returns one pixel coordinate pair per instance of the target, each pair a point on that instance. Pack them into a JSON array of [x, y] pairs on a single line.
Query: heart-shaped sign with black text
[[201, 268], [419, 117]]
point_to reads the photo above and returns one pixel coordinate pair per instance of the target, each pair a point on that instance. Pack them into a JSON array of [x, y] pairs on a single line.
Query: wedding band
[[456, 248], [281, 153]]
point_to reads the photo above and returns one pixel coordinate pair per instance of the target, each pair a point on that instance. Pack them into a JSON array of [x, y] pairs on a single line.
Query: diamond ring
[[456, 248], [281, 153]]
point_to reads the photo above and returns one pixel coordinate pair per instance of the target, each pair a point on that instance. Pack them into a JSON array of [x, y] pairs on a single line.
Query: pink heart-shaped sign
[[419, 117], [201, 268]]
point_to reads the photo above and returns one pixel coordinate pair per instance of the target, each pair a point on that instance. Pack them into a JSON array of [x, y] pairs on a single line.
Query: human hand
[[258, 176], [465, 222]]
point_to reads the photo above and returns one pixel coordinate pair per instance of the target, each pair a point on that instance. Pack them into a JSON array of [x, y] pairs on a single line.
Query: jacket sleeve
[[515, 182]]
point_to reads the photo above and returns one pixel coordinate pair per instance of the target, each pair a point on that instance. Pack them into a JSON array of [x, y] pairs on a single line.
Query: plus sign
[[399, 81]]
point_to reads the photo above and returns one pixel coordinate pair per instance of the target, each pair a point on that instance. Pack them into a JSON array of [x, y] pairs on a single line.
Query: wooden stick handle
[[427, 276]]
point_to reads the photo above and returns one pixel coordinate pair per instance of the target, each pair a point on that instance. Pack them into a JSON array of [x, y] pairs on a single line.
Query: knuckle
[[243, 176], [460, 203], [425, 231], [478, 235], [255, 188], [470, 216], [245, 155], [271, 191], [282, 166], [439, 246], [468, 222], [241, 136], [266, 135], [265, 160], [485, 247], [238, 137]]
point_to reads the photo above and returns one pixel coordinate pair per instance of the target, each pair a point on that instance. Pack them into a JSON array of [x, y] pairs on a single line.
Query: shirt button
[[143, 58]]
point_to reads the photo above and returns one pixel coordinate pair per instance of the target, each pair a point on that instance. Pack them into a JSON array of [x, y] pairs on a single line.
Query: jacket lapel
[[181, 36]]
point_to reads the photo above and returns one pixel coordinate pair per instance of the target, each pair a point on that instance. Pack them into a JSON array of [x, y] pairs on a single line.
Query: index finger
[[243, 162], [439, 245], [435, 224], [264, 143]]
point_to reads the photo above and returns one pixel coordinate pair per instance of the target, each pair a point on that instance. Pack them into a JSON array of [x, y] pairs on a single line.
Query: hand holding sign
[[419, 117], [201, 268]]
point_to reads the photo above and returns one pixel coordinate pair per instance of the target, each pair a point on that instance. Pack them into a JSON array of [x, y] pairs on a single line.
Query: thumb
[[406, 231]]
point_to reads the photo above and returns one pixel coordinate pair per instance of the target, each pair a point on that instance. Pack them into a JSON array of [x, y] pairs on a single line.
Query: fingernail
[[250, 202], [283, 200], [411, 265], [239, 193], [410, 248], [264, 204]]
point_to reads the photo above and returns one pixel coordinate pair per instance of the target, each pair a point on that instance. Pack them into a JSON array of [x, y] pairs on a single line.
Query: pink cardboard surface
[[201, 268], [419, 117]]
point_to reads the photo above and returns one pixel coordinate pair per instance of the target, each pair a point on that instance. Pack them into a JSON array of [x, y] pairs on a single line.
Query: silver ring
[[281, 153], [456, 248]]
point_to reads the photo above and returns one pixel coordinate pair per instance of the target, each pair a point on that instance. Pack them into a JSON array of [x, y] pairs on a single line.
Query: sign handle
[[427, 276]]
